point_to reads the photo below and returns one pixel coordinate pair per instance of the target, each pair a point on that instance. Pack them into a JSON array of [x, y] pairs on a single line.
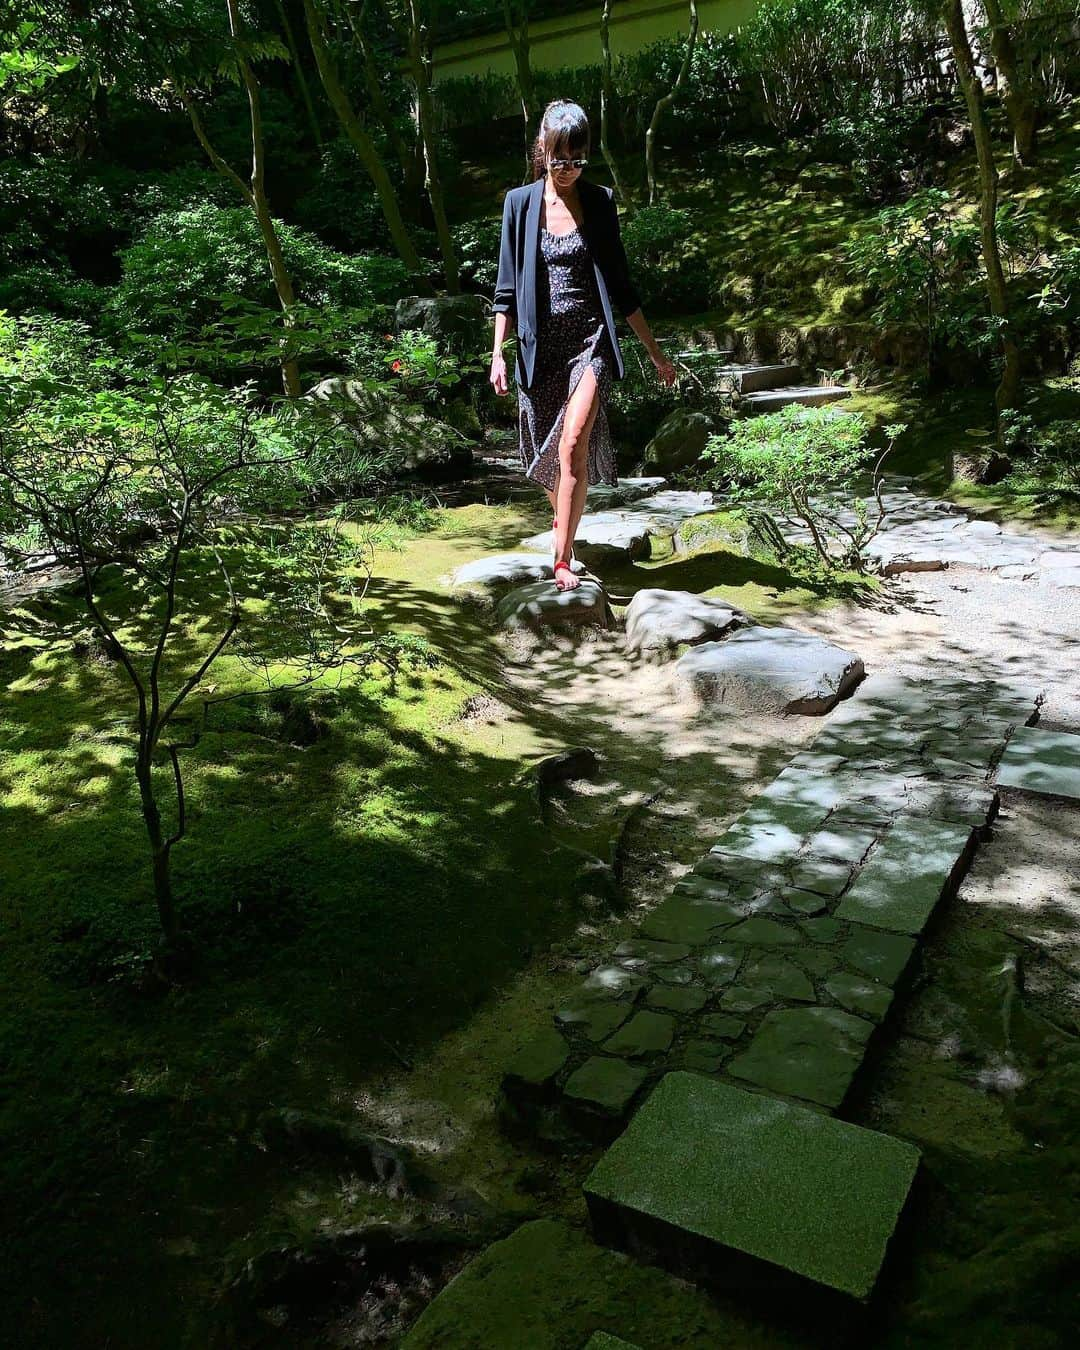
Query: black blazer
[[515, 288]]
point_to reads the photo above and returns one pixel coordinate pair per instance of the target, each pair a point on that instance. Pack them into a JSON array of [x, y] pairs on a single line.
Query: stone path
[[770, 968], [1046, 762], [923, 534]]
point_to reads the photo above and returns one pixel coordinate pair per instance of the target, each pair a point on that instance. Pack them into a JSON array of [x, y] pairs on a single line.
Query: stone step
[[807, 396], [750, 379], [705, 1170]]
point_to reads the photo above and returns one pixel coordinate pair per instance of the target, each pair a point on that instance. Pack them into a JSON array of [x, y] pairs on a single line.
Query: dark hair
[[563, 134]]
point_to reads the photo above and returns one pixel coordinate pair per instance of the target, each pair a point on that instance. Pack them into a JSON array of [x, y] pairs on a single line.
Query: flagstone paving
[[1047, 762]]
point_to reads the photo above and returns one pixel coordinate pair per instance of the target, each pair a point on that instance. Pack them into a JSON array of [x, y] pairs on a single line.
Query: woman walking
[[561, 263]]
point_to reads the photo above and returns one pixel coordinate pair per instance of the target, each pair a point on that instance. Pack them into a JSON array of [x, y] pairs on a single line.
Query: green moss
[[549, 1288]]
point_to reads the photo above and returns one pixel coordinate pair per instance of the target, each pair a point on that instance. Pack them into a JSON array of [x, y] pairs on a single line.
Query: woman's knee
[[577, 423]]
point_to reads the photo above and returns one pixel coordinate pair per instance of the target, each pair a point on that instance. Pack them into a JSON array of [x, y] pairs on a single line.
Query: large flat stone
[[916, 864], [659, 620], [690, 920], [771, 669], [812, 1053], [645, 1035], [1046, 762], [542, 605], [603, 1085], [538, 1063], [507, 569], [705, 1168]]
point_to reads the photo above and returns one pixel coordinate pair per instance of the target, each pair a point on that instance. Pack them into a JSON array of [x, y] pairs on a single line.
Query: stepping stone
[[507, 569], [772, 830], [614, 982], [541, 605], [719, 965], [605, 536], [601, 1340], [731, 1170], [808, 395], [658, 620], [606, 1086], [536, 1066], [772, 669], [841, 842], [645, 1035], [742, 999], [812, 1053], [1046, 762], [915, 865], [603, 495]]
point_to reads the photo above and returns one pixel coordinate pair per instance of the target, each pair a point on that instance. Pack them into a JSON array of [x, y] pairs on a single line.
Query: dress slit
[[572, 335]]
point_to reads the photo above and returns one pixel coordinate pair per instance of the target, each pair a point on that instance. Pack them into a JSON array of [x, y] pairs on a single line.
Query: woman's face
[[562, 174]]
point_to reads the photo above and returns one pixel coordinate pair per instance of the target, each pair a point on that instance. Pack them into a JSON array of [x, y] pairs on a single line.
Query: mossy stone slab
[[860, 994], [652, 953], [548, 1286], [842, 841], [675, 999], [820, 876], [1047, 762], [914, 866], [780, 979], [595, 1018], [601, 1340], [737, 1170], [605, 1085], [740, 998], [646, 1034], [720, 964], [883, 956], [690, 920], [539, 1062], [724, 1025], [761, 932], [614, 982], [812, 1053]]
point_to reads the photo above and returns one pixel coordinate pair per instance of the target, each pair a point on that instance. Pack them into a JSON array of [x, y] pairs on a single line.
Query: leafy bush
[[477, 245], [175, 275], [802, 463], [1050, 470], [878, 143], [668, 258]]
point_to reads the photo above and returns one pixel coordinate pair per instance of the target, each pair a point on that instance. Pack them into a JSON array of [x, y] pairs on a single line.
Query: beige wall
[[574, 39]]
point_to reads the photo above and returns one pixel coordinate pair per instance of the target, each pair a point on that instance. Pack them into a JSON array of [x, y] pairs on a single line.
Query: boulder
[[678, 442], [456, 319], [660, 619], [540, 605], [774, 669], [381, 421]]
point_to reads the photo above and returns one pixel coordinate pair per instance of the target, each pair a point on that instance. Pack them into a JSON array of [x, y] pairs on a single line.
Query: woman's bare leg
[[573, 481]]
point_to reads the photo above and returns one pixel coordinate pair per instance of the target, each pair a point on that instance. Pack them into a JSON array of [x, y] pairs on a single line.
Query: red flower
[[396, 365], [388, 337]]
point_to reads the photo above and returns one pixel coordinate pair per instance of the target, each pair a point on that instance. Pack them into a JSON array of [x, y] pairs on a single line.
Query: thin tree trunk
[[159, 851], [1020, 104], [519, 43], [412, 175], [606, 100], [420, 62], [1009, 387], [301, 78], [666, 102], [361, 141]]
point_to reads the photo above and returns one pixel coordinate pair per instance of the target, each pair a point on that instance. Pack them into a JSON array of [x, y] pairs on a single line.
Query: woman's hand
[[664, 369], [498, 373]]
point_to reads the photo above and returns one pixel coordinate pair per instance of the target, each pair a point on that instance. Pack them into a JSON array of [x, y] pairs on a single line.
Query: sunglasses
[[568, 163]]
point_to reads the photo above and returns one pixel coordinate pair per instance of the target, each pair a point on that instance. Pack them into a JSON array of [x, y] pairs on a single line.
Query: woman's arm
[[505, 302]]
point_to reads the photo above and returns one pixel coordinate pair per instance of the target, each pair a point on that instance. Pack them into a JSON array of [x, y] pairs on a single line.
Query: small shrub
[[801, 463]]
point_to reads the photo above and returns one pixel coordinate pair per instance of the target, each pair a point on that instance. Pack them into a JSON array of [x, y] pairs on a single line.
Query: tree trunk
[[362, 142], [163, 895], [290, 373], [1009, 387], [1020, 103], [420, 63], [606, 100], [519, 42], [666, 102]]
